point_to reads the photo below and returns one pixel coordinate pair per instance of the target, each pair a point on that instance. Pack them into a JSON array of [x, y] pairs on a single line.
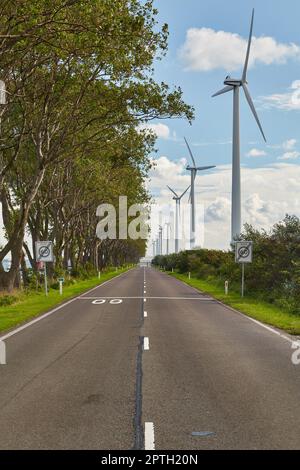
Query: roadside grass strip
[[32, 304], [253, 307]]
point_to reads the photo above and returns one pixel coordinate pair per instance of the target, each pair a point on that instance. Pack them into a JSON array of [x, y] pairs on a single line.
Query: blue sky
[[198, 62]]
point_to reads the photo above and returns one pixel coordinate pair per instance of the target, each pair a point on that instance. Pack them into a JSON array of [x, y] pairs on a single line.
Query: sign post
[[243, 255], [44, 253]]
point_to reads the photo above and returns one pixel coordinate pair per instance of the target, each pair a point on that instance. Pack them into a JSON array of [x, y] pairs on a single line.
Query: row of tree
[[274, 274], [79, 82]]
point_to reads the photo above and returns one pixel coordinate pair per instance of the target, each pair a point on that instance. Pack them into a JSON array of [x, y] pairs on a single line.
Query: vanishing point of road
[[146, 362]]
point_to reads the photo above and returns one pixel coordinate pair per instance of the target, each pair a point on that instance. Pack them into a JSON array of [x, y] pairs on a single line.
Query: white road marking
[[263, 325], [41, 317], [146, 344], [204, 299], [116, 301], [2, 353], [99, 301], [145, 300], [149, 436], [145, 314], [269, 328]]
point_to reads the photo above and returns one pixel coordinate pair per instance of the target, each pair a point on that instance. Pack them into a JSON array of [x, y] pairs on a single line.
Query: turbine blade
[[244, 77], [185, 192], [250, 102], [172, 191], [201, 168], [190, 152], [224, 90]]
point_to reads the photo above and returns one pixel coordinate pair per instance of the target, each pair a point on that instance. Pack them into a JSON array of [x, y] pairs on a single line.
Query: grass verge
[[255, 308], [32, 304]]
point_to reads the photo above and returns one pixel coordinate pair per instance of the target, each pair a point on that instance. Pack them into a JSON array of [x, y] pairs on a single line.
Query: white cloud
[[289, 101], [206, 49], [268, 193], [161, 130], [289, 144], [219, 209], [289, 156], [256, 153]]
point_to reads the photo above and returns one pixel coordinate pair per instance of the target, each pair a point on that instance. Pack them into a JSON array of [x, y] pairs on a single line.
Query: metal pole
[[60, 287], [45, 276], [193, 175], [177, 226], [243, 279], [236, 168], [168, 235]]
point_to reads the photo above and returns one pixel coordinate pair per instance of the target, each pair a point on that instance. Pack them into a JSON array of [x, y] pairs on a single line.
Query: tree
[[79, 79]]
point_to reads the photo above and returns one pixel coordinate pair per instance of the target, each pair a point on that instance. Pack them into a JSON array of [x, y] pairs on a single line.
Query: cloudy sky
[[207, 42]]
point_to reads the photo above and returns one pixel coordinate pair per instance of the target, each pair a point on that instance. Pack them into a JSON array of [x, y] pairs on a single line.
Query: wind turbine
[[177, 199], [234, 85], [193, 169]]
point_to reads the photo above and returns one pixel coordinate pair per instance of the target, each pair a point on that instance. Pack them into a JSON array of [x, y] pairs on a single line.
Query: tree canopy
[[79, 79]]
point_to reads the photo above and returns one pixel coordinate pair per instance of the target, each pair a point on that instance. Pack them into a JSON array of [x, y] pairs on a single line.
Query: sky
[[208, 41]]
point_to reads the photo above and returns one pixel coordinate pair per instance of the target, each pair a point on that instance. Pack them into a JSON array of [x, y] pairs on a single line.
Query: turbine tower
[[234, 85], [193, 169], [177, 199]]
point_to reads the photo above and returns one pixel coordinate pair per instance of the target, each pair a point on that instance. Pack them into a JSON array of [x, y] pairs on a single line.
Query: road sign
[[243, 252], [61, 279], [44, 251]]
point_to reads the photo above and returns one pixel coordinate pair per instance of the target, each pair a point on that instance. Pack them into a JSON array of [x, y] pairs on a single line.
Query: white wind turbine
[[177, 199], [234, 85], [193, 169]]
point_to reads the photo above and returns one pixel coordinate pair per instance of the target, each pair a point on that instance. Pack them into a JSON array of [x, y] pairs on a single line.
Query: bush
[[274, 275], [6, 300]]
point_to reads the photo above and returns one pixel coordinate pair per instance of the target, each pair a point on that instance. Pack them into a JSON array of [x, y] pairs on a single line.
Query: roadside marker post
[[61, 281], [99, 274], [243, 255], [189, 275], [226, 287]]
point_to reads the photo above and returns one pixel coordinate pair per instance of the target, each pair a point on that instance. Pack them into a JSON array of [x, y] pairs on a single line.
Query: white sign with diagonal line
[[243, 252], [44, 251]]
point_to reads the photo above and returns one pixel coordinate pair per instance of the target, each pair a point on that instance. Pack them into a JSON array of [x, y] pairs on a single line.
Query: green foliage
[[7, 300], [80, 82], [274, 275]]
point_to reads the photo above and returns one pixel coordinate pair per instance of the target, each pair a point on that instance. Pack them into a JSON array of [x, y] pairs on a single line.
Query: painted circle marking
[[99, 301], [116, 301]]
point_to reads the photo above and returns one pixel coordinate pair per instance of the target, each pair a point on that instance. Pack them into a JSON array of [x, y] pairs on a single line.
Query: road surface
[[145, 361]]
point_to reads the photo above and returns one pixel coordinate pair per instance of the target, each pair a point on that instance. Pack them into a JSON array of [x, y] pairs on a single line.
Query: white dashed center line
[[146, 344], [149, 436], [145, 314]]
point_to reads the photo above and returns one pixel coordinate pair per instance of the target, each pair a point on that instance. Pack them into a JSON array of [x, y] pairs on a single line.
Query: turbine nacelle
[[233, 82]]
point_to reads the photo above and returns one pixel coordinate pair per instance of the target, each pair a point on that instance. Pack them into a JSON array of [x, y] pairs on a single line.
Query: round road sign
[[44, 251], [244, 252]]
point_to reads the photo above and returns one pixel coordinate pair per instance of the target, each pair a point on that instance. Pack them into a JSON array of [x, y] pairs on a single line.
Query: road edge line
[[47, 314]]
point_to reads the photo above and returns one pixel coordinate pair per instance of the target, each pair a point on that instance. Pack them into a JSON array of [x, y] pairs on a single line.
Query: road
[[145, 361]]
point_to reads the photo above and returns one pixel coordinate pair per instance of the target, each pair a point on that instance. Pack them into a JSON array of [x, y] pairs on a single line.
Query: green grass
[[32, 304], [255, 308]]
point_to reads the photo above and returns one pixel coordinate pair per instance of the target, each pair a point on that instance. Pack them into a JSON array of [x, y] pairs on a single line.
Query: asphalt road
[[145, 361]]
